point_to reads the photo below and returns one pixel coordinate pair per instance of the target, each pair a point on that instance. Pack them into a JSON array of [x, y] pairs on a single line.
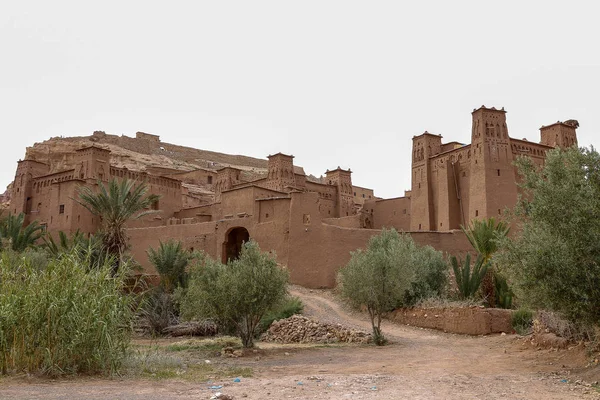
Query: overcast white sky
[[332, 82]]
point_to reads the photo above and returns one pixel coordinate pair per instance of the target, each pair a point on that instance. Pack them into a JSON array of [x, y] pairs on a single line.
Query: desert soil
[[417, 364]]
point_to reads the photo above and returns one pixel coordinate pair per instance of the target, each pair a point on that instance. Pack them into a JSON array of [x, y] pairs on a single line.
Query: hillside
[[139, 154], [147, 153]]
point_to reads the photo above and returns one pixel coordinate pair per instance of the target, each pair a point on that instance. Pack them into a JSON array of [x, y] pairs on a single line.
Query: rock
[[300, 329]]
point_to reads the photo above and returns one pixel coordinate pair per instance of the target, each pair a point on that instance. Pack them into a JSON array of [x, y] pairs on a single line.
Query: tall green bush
[[239, 293], [554, 259], [379, 276], [62, 318], [430, 274]]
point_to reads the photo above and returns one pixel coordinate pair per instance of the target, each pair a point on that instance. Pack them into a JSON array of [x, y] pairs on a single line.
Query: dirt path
[[418, 364]]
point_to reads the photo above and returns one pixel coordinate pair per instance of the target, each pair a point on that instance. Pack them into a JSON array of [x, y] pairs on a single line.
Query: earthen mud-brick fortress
[[214, 202]]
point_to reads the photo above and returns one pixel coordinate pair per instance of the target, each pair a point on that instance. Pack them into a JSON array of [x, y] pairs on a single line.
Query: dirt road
[[418, 364]]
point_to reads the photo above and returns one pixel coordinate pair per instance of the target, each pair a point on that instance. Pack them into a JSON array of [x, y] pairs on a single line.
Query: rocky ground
[[417, 364]]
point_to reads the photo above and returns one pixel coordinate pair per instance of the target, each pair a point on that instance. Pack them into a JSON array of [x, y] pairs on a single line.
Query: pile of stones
[[300, 329]]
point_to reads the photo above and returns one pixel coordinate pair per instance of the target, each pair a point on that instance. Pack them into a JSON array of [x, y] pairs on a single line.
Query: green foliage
[[430, 275], [63, 318], [116, 204], [554, 260], [17, 237], [484, 236], [285, 309], [522, 321], [468, 281], [504, 295], [170, 260], [158, 310], [88, 249], [379, 276], [239, 293]]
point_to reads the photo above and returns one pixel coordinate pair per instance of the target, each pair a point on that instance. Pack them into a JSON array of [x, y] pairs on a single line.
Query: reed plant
[[62, 319]]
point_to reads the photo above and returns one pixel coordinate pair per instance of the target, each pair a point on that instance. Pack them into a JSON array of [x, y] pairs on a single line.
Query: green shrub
[[16, 236], [503, 293], [63, 318], [158, 310], [431, 275], [554, 259], [170, 260], [283, 310], [468, 281], [239, 293], [379, 276], [522, 321]]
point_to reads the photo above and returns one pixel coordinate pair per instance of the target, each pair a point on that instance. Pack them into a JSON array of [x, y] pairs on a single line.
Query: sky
[[335, 83]]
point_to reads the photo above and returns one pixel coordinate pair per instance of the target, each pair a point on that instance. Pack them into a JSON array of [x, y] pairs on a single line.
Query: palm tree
[[19, 237], [484, 236], [115, 205], [170, 260], [88, 249]]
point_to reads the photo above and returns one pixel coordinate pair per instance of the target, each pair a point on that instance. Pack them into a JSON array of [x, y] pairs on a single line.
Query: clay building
[[214, 202], [453, 183]]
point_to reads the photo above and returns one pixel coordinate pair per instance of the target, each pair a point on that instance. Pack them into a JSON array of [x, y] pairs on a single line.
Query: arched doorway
[[234, 240]]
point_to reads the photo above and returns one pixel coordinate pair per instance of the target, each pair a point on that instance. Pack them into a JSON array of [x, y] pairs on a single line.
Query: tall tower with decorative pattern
[[281, 172], [345, 199], [492, 184]]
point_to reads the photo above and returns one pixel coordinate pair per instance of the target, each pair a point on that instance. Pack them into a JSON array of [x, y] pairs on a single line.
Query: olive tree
[[554, 260], [238, 293], [379, 276]]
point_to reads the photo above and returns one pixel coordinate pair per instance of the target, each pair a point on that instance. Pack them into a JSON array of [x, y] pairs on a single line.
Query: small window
[[464, 174], [209, 180], [266, 215], [354, 194], [404, 211], [363, 195], [419, 226], [477, 213], [498, 172], [61, 209], [499, 212]]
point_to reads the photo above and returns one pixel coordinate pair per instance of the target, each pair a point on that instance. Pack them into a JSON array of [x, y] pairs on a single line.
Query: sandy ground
[[417, 364]]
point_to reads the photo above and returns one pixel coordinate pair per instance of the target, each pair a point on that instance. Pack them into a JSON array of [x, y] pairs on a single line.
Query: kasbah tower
[[453, 183]]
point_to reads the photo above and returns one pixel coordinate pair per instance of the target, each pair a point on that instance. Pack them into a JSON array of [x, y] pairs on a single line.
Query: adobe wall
[[467, 320], [318, 250], [453, 242], [147, 136], [196, 236], [196, 177], [327, 197], [195, 211], [388, 213], [361, 194], [352, 221]]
